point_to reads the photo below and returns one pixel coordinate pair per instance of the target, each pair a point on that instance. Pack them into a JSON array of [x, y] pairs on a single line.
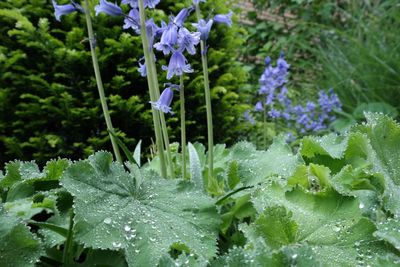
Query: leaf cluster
[[49, 104]]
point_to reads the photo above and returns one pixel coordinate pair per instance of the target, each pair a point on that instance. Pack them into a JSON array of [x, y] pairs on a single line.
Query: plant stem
[[99, 82], [162, 118], [265, 126], [151, 79], [208, 103], [69, 241], [183, 125]]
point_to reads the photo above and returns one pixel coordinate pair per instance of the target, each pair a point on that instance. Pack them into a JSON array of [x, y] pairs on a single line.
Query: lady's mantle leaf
[[330, 224], [18, 246], [112, 213]]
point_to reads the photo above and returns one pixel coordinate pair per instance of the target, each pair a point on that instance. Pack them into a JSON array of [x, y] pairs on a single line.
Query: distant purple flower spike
[[61, 10], [188, 40], [204, 28], [225, 19], [108, 8], [132, 20], [164, 102], [274, 113], [168, 39], [259, 106], [177, 65]]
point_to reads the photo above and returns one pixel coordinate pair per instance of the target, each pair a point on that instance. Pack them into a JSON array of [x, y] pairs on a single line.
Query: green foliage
[[332, 203], [49, 104]]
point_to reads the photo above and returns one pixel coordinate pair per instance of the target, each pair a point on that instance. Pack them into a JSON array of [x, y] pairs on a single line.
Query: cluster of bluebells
[[275, 102], [170, 38]]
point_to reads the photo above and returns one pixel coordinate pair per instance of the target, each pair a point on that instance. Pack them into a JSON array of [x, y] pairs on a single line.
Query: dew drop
[[127, 228], [361, 206], [107, 220], [116, 244]]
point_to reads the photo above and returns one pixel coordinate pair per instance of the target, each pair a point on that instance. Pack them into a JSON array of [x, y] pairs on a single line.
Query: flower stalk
[[100, 83], [183, 125], [208, 103], [152, 81]]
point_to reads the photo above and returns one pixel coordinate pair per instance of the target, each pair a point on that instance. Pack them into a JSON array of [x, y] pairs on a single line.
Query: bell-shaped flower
[[132, 20], [177, 65], [259, 106], [204, 27], [188, 40], [182, 16], [108, 8], [225, 19], [142, 69], [164, 102], [168, 39], [61, 10]]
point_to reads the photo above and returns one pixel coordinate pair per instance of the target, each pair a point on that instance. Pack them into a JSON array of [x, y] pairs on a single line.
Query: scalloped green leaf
[[332, 225], [19, 247], [112, 212], [255, 166], [389, 231]]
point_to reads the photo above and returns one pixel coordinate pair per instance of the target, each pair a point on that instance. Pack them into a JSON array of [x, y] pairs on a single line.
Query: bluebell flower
[[61, 10], [204, 28], [188, 40], [132, 20], [274, 113], [181, 17], [168, 39], [135, 4], [267, 61], [177, 65], [225, 19], [151, 30], [248, 117], [164, 102], [142, 67], [108, 8], [259, 106]]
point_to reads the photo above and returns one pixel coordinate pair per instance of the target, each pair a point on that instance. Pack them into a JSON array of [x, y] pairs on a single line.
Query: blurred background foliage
[[351, 46], [49, 104]]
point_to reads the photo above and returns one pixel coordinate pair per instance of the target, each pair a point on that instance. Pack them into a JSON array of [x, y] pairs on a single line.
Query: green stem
[[183, 125], [208, 103], [69, 242], [99, 81], [265, 126], [162, 118], [152, 81]]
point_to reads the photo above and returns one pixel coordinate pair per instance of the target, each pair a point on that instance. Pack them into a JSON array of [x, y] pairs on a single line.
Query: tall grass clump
[[362, 62]]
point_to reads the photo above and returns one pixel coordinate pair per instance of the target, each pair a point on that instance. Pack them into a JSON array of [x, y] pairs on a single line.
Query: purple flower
[[142, 68], [164, 102], [108, 8], [274, 113], [204, 28], [181, 17], [132, 20], [61, 10], [168, 39], [177, 65], [187, 40], [248, 117], [225, 19], [259, 106], [135, 4]]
